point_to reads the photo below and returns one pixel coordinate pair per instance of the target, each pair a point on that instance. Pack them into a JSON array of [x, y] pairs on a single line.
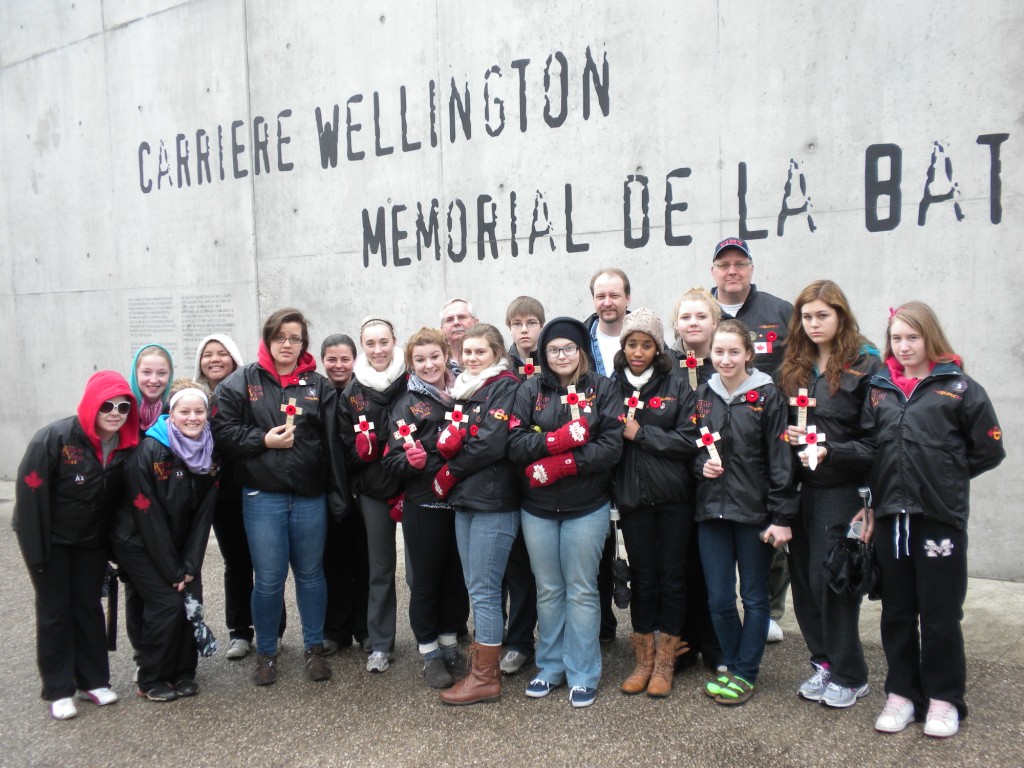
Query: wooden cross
[[291, 411], [811, 440], [692, 362], [802, 403], [405, 431], [455, 415], [528, 368], [708, 440], [634, 403], [572, 399], [363, 425]]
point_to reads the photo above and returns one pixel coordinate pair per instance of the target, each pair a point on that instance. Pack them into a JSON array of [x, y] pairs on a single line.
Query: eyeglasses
[[122, 408], [739, 266], [293, 340], [569, 350], [530, 324]]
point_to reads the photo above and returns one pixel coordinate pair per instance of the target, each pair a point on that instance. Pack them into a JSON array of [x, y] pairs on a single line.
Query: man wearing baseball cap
[[767, 317]]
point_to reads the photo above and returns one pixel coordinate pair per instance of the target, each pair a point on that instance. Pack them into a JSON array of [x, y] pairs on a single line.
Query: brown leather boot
[[483, 683], [643, 648], [660, 685]]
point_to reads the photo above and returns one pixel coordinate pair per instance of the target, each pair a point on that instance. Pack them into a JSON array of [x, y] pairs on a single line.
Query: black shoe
[[454, 661], [186, 686], [436, 673], [159, 692]]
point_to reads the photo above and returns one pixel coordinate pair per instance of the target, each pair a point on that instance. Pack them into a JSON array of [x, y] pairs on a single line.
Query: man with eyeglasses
[[457, 317], [767, 317]]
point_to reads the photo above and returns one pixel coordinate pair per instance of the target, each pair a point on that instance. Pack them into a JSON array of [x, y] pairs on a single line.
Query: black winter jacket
[[704, 370], [64, 496], [930, 445], [167, 510], [838, 418], [655, 465], [428, 416], [757, 486], [538, 409], [358, 400], [768, 317], [487, 479], [249, 405]]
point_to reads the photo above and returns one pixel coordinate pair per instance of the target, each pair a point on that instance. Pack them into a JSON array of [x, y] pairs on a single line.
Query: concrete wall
[[884, 118]]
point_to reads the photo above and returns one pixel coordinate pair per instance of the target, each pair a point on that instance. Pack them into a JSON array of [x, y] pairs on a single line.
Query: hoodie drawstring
[[905, 517]]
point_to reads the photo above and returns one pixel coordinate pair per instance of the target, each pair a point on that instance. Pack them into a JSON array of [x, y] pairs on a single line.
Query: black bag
[[850, 565]]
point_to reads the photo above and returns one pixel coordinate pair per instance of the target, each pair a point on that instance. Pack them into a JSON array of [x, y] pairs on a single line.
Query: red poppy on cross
[[572, 399], [708, 440], [405, 431], [291, 410], [811, 440], [634, 403], [528, 368], [692, 363], [363, 425], [802, 403], [455, 415]]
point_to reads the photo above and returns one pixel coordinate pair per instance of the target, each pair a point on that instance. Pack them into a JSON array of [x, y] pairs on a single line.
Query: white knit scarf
[[467, 384], [376, 380]]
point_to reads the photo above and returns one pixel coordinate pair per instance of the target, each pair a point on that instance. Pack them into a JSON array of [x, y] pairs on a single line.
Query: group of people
[[754, 433]]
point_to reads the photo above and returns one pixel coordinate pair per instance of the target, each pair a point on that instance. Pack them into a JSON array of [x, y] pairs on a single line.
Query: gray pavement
[[394, 720]]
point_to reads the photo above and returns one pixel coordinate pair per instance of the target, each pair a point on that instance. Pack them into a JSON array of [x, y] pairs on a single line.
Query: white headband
[[189, 392]]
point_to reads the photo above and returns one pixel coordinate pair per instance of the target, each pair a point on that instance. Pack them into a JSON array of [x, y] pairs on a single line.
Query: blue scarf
[[196, 454]]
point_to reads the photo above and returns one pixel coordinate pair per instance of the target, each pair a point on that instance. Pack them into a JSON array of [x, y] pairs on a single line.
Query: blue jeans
[[564, 555], [724, 546], [485, 539], [284, 528]]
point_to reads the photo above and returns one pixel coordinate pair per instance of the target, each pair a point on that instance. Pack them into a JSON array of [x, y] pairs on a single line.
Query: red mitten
[[568, 436], [550, 470], [396, 506], [366, 447], [444, 481], [416, 454], [449, 442]]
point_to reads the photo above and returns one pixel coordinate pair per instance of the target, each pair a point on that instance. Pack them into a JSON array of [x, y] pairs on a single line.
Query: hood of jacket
[[102, 386], [754, 380], [306, 364], [133, 380], [229, 345], [159, 430]]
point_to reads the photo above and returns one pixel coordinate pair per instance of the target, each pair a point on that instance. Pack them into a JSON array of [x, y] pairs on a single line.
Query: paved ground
[[394, 720]]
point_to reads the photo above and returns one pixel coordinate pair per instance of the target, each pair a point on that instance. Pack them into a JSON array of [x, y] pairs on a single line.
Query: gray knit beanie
[[645, 321]]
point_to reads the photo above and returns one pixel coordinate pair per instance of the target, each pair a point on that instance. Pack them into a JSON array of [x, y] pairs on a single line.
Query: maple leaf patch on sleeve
[[33, 480], [141, 503]]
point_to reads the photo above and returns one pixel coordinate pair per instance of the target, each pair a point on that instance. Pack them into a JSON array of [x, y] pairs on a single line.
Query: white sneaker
[[99, 696], [943, 719], [897, 715], [814, 686], [843, 697], [774, 632], [63, 709], [238, 648], [378, 662]]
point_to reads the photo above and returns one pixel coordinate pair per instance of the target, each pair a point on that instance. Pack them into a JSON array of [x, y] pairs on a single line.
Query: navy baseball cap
[[732, 243]]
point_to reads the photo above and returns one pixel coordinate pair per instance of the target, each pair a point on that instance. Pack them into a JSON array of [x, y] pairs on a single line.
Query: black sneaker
[[159, 692], [186, 686], [454, 661], [266, 669], [316, 665], [436, 672]]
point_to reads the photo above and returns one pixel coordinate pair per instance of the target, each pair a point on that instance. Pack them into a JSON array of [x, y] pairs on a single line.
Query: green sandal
[[715, 687], [738, 691]]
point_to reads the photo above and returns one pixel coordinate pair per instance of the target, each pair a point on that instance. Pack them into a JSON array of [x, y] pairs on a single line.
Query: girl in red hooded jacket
[[69, 484]]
